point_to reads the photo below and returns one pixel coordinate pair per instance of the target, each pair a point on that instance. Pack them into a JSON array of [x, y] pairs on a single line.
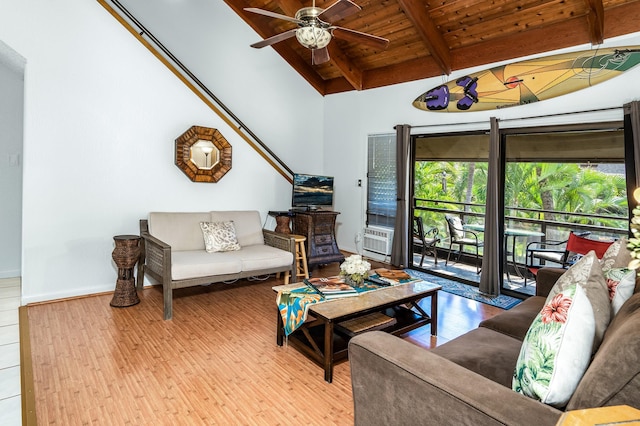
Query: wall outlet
[[358, 237], [359, 183]]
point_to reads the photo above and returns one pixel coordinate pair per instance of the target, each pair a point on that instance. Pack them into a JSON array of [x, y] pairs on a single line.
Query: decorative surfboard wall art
[[529, 81]]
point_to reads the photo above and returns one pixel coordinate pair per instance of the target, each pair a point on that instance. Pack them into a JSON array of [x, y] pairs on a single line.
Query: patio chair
[[462, 237], [576, 246], [425, 242]]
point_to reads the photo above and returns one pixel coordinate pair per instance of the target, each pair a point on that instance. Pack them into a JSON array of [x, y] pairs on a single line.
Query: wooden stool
[[302, 271]]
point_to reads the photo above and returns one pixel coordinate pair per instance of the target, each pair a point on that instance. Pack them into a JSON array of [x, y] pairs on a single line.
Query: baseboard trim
[[10, 274]]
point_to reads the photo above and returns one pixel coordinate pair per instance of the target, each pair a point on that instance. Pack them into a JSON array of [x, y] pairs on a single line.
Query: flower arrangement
[[355, 269], [634, 243]]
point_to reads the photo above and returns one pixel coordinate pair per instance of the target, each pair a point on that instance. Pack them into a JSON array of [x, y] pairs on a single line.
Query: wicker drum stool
[[125, 255], [302, 271]]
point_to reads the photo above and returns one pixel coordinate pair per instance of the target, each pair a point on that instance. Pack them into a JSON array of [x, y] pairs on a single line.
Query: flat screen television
[[312, 191]]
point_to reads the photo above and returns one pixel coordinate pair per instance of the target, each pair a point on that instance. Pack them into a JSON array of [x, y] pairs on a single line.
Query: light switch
[[14, 160]]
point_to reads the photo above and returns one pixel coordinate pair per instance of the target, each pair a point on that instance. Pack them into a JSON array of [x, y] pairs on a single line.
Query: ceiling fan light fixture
[[313, 37]]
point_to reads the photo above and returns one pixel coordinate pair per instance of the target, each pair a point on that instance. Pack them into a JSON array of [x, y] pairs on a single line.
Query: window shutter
[[381, 180]]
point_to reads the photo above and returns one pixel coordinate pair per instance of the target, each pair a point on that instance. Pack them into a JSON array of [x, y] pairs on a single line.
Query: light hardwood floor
[[216, 362]]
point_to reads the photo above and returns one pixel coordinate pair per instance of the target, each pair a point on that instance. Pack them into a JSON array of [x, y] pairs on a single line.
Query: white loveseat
[[174, 251]]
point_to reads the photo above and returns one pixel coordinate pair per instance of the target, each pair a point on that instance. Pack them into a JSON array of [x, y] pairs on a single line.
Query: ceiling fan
[[315, 29]]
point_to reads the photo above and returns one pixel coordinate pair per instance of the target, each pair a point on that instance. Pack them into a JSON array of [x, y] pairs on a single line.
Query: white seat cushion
[[549, 256], [246, 222], [180, 230], [199, 263], [259, 256], [471, 241]]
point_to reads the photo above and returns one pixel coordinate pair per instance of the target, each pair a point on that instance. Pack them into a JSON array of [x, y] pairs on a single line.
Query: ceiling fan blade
[[273, 14], [358, 37], [338, 10], [275, 39], [319, 56]]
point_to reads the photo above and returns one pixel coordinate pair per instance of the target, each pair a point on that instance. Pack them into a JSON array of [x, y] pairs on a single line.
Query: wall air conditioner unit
[[378, 240]]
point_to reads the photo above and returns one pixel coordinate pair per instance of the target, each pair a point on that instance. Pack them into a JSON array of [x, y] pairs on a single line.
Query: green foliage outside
[[553, 187]]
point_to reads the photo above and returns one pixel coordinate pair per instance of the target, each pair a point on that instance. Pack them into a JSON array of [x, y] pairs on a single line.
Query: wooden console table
[[319, 228]]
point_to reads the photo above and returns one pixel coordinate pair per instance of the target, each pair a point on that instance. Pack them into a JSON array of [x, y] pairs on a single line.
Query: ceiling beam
[[287, 53], [290, 7], [417, 13], [414, 69], [595, 19], [619, 20], [338, 85], [350, 72]]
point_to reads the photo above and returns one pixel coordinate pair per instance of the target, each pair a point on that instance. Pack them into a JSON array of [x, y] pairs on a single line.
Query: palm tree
[[551, 187]]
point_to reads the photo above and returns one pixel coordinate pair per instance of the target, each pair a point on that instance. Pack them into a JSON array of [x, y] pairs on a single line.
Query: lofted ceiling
[[429, 38]]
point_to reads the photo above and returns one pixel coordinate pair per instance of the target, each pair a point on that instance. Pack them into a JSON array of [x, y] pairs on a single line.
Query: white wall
[[274, 101], [11, 115], [351, 117], [101, 117]]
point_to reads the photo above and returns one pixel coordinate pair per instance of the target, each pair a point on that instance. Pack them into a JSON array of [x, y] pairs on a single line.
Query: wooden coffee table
[[324, 337]]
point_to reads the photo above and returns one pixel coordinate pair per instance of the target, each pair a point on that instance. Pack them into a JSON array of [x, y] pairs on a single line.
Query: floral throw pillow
[[587, 273], [556, 350], [616, 256], [621, 282], [219, 236]]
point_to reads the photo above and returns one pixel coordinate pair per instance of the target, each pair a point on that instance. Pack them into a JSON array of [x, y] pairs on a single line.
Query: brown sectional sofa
[[468, 380]]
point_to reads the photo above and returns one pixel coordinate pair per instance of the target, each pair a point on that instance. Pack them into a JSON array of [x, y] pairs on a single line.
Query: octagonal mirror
[[203, 154]]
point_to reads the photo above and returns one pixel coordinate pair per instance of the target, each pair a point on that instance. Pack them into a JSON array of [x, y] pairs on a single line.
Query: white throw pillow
[[556, 350], [219, 236], [621, 282]]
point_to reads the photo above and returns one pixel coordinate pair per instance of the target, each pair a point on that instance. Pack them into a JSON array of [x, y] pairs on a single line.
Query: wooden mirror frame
[[188, 139]]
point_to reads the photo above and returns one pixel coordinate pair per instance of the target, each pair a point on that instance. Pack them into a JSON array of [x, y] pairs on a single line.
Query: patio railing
[[599, 226]]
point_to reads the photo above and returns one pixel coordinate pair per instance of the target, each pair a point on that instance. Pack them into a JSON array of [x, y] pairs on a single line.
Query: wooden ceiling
[[429, 38]]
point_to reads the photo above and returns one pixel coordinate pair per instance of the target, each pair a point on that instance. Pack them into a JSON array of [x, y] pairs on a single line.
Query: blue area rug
[[468, 291]]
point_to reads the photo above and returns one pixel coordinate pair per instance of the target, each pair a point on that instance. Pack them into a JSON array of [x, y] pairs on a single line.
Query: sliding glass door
[[560, 180], [557, 180], [450, 178]]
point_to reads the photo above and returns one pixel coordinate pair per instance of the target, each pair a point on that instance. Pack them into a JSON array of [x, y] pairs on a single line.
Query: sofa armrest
[[279, 240], [546, 279], [155, 258], [397, 382]]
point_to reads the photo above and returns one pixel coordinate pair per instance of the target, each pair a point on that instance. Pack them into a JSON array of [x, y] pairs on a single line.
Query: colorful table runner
[[294, 304]]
